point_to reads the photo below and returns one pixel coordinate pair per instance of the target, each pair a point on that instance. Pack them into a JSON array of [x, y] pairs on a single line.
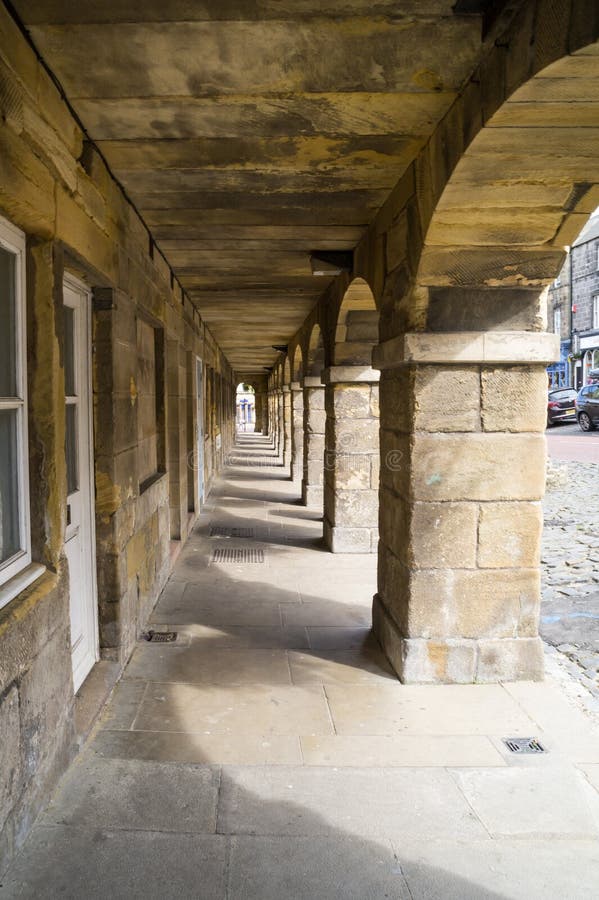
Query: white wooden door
[[200, 428], [80, 533]]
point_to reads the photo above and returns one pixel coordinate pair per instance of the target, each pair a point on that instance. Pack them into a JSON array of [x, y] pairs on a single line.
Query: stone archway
[[463, 390]]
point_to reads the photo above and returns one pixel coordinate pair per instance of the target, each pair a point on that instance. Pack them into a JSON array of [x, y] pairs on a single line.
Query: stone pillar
[[287, 426], [462, 477], [297, 431], [280, 423], [314, 429], [351, 460], [272, 420]]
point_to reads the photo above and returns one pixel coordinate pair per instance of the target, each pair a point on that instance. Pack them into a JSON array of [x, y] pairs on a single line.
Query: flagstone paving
[[270, 751]]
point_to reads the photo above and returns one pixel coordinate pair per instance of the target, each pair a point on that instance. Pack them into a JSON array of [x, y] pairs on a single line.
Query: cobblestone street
[[570, 574]]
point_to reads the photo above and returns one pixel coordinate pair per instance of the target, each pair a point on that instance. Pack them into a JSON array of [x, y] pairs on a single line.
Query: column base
[[344, 539], [455, 660], [313, 495]]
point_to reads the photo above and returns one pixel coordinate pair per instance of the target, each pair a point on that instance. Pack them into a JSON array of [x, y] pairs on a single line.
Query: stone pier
[[462, 477], [351, 462], [314, 441]]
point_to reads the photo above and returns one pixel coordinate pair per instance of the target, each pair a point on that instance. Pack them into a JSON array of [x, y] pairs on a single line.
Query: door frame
[[88, 515]]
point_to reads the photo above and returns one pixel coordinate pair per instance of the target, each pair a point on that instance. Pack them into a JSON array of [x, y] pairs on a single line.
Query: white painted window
[[557, 320], [15, 544], [596, 311]]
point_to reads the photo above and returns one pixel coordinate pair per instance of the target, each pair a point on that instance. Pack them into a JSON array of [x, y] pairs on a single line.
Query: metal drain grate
[[524, 745], [232, 531], [160, 637], [238, 555]]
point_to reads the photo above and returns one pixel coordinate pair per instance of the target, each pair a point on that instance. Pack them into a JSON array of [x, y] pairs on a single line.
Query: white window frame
[[596, 312], [13, 240]]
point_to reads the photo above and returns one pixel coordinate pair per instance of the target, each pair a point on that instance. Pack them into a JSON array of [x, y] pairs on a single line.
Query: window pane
[[71, 448], [69, 351], [8, 325], [10, 539]]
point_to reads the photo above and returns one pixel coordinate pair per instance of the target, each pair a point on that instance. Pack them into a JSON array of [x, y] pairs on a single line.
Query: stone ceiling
[[250, 132]]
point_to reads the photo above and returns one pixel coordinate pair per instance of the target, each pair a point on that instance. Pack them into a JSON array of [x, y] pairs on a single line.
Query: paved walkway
[[270, 752]]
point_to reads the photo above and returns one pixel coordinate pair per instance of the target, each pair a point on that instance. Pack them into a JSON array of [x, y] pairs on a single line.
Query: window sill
[[18, 583]]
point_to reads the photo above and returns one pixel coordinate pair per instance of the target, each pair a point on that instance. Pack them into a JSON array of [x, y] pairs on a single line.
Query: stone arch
[[286, 372], [512, 201], [357, 325], [315, 353], [471, 328], [297, 364]]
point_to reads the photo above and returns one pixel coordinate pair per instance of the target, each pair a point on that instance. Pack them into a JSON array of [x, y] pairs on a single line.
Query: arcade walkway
[[270, 752]]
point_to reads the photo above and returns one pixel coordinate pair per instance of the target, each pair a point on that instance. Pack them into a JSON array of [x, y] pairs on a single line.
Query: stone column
[[314, 429], [280, 423], [297, 431], [351, 460], [462, 477], [272, 417], [287, 426]]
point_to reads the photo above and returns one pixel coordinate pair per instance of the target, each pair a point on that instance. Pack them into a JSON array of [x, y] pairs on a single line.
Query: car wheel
[[584, 421]]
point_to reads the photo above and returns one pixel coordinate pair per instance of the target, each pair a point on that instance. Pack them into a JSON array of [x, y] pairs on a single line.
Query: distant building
[[585, 301], [559, 322], [573, 310]]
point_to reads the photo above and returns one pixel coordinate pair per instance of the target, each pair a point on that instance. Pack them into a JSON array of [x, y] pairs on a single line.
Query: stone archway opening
[[245, 408]]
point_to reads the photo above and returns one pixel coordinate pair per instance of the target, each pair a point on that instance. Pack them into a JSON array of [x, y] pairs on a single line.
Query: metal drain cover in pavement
[[524, 745], [232, 531], [238, 555], [160, 637]]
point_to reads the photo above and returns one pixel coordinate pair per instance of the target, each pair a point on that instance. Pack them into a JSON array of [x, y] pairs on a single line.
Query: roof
[[589, 232]]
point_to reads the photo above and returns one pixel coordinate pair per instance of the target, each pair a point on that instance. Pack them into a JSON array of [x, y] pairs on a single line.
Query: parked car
[[587, 407], [560, 406]]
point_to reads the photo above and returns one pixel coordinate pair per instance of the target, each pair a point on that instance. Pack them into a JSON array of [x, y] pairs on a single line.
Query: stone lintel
[[350, 375], [313, 381], [468, 347]]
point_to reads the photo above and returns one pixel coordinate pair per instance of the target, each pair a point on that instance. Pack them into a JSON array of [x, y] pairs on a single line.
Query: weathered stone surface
[[514, 399], [352, 401], [473, 604], [509, 535], [10, 756], [357, 508], [478, 467], [446, 399], [442, 536]]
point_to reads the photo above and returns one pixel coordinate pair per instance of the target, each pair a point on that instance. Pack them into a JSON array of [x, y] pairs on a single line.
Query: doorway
[[80, 546]]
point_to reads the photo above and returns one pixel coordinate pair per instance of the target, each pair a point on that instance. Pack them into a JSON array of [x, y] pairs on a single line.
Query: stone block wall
[[56, 189], [351, 467], [314, 442]]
